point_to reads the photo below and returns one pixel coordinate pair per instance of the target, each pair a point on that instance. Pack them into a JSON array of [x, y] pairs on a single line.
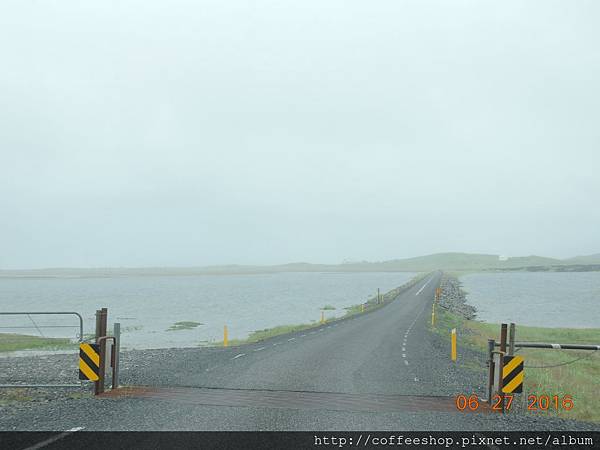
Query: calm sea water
[[552, 299], [147, 306]]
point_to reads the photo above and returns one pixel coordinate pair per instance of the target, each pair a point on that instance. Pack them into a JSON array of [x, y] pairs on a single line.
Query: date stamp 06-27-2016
[[504, 402]]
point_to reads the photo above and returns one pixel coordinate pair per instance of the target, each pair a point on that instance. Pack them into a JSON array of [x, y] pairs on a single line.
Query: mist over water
[[552, 299]]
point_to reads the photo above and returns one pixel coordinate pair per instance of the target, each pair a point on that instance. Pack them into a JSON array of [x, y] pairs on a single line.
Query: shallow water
[[550, 299], [147, 306]]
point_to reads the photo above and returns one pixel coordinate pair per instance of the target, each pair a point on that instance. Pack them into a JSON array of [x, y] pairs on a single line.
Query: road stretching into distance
[[382, 370]]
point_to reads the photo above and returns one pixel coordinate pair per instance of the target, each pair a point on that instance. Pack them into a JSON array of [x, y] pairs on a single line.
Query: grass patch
[[186, 325], [8, 396], [578, 379], [10, 342], [328, 308]]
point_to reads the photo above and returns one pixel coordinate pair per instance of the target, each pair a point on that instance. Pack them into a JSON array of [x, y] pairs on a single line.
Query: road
[[383, 370]]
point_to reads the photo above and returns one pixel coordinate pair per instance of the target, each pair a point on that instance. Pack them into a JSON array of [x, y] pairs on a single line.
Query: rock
[[453, 298]]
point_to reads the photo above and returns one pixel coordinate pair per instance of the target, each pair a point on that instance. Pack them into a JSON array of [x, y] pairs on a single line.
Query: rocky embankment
[[454, 299]]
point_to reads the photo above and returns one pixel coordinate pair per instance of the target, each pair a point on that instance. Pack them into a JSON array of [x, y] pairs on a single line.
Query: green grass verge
[[261, 335], [12, 342], [578, 379]]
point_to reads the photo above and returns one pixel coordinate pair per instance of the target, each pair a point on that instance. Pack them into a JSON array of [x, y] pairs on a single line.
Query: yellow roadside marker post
[[225, 336], [322, 316], [453, 354]]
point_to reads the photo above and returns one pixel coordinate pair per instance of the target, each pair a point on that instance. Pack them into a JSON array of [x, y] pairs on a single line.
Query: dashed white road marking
[[404, 355], [406, 362], [312, 332], [291, 339], [416, 379], [259, 349], [423, 287], [403, 349], [303, 335], [239, 356]]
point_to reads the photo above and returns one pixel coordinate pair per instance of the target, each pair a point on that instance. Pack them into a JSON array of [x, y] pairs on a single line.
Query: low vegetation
[[185, 325], [10, 342], [547, 372]]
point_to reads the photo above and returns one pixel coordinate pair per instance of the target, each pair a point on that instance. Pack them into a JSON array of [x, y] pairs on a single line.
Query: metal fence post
[[503, 332], [116, 354], [511, 340], [101, 316], [491, 345]]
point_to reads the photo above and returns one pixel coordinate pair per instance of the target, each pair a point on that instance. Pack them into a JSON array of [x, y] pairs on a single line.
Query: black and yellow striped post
[[89, 362], [512, 375]]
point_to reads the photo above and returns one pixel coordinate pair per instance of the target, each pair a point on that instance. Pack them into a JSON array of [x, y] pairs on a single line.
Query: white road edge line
[[239, 356], [259, 349]]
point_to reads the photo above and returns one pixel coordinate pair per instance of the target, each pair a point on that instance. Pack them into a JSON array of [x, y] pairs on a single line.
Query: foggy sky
[[146, 133]]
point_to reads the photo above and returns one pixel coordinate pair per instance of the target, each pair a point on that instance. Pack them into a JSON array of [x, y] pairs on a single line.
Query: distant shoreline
[[150, 272]]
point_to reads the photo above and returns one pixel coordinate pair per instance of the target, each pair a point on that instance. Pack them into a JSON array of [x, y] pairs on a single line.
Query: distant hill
[[444, 261], [587, 259], [466, 261]]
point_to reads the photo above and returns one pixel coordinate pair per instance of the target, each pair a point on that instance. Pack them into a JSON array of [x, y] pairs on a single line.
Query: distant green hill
[[587, 259], [444, 261], [467, 261]]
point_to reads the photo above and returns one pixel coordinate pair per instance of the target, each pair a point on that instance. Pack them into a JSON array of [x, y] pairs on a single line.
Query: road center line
[[423, 287], [259, 349], [239, 356]]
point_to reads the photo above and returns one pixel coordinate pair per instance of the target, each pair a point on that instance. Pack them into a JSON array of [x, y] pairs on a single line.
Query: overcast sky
[[146, 133]]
